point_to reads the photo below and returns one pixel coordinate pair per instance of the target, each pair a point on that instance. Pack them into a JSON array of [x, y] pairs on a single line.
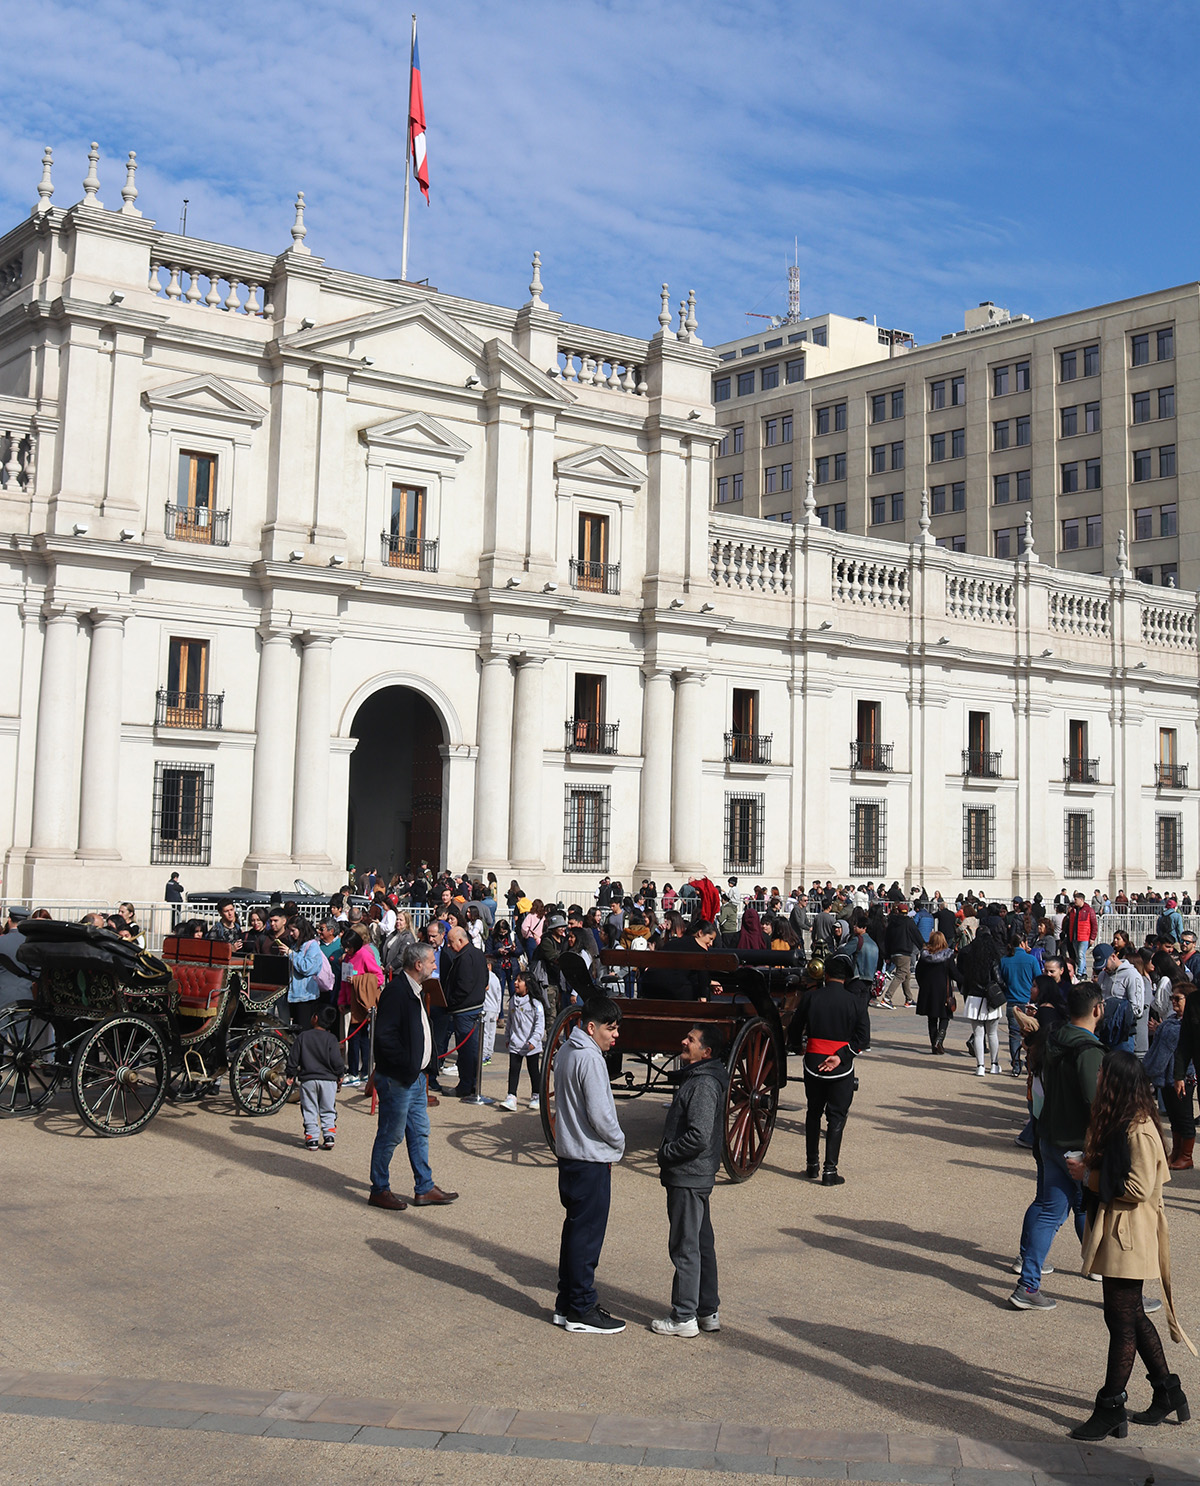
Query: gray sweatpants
[[693, 1253], [318, 1107]]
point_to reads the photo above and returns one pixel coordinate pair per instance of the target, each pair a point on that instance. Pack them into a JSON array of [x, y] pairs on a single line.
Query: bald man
[[464, 981]]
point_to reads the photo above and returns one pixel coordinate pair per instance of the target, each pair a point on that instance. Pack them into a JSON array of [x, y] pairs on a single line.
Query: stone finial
[[299, 230], [535, 283], [664, 314], [45, 185], [1171, 583], [690, 322], [810, 500], [682, 333], [926, 537], [91, 181], [129, 191], [1027, 551], [1123, 570]]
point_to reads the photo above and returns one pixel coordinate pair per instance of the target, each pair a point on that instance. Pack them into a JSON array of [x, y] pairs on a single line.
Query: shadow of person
[[462, 1277]]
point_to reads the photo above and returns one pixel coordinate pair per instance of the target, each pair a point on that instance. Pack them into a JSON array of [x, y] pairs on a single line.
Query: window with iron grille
[[979, 841], [744, 833], [1079, 843], [182, 821], [868, 837], [1168, 846], [585, 831]]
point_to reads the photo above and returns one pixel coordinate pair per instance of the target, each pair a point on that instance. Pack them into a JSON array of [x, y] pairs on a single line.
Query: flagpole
[[412, 45]]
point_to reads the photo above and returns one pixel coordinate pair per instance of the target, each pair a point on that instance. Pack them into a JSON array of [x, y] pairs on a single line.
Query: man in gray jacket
[[588, 1140], [688, 1159]]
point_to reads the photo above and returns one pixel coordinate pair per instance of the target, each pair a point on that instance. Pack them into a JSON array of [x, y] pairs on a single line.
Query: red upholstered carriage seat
[[201, 969]]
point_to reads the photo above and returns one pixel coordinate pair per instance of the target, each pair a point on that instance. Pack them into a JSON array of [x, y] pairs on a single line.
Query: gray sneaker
[[710, 1323], [1030, 1300], [1018, 1266]]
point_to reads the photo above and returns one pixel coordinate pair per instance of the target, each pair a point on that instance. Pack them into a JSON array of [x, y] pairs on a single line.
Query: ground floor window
[[744, 833], [182, 826], [1168, 845], [979, 841], [1079, 843], [868, 837], [585, 834]]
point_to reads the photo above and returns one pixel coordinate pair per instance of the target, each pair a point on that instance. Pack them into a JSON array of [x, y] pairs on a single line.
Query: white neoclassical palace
[[301, 566]]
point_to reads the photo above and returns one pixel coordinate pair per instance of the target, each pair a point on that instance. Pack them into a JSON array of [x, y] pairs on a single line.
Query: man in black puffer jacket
[[688, 1159]]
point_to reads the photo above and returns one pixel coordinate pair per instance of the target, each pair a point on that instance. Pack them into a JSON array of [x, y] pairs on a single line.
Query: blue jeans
[[1057, 1195], [1082, 968], [1014, 1032], [403, 1114]]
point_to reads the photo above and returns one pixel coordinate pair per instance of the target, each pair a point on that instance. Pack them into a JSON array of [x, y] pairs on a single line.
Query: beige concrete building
[[1089, 421]]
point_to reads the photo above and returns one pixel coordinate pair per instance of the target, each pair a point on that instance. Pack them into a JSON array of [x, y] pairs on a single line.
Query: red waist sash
[[823, 1047]]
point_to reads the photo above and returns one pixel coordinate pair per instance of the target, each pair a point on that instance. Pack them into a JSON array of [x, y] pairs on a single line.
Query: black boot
[[813, 1170], [1169, 1398], [1108, 1418], [830, 1178]]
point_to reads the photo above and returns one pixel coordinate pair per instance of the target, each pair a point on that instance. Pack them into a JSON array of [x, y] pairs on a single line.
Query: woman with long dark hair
[[937, 980], [1126, 1243]]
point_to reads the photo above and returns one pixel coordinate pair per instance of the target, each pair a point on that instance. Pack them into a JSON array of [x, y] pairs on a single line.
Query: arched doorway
[[395, 813]]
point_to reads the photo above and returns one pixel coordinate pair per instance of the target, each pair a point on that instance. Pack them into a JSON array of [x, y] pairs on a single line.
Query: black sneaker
[[597, 1321]]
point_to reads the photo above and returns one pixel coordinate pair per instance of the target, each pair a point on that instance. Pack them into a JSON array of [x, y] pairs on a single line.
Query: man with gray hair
[[403, 1047]]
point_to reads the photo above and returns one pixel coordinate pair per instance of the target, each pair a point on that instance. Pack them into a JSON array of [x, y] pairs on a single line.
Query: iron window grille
[[418, 553], [585, 827], [189, 709], [596, 577], [979, 841], [1171, 776], [584, 736], [748, 748], [874, 757], [1168, 846], [1081, 770], [182, 821], [868, 837], [1079, 843], [744, 833], [196, 524]]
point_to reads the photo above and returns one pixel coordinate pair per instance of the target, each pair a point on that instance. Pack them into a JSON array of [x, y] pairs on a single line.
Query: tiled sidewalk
[[604, 1438]]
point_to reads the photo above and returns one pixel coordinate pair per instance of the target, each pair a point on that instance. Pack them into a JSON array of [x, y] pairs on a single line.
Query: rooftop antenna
[[183, 219], [793, 310]]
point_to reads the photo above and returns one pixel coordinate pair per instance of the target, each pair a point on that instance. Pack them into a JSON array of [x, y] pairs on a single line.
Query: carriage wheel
[[29, 1076], [567, 1020], [258, 1076], [119, 1076], [752, 1099]]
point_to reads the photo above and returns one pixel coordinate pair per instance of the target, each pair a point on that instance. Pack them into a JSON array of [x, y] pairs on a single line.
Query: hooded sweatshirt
[[1070, 1069], [693, 1136], [586, 1125]]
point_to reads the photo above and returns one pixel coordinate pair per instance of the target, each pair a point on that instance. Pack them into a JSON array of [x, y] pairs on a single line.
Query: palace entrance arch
[[396, 782]]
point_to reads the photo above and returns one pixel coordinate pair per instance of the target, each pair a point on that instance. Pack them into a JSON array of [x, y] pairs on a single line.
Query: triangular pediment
[[510, 374], [347, 337], [599, 464], [415, 433], [207, 395]]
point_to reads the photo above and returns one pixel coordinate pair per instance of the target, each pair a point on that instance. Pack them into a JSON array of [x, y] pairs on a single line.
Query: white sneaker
[[510, 1103], [1017, 1267], [996, 1068], [981, 1070], [667, 1327], [535, 1102], [710, 1323]]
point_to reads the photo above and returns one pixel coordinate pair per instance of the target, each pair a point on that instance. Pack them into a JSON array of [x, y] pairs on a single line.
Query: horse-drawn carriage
[[130, 1029], [758, 995]]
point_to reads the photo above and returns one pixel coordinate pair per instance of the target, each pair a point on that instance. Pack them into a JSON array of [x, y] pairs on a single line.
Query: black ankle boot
[[813, 1170], [830, 1178], [1169, 1398], [1108, 1418]]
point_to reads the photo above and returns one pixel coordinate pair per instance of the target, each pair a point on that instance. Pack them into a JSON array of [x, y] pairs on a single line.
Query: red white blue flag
[[416, 122]]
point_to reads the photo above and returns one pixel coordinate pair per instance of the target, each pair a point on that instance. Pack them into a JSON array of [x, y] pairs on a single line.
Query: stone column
[[54, 756], [687, 762], [494, 765], [100, 775], [273, 751], [525, 834], [310, 808], [658, 718]]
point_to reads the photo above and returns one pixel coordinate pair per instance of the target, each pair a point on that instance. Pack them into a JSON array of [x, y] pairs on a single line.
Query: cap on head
[[839, 967]]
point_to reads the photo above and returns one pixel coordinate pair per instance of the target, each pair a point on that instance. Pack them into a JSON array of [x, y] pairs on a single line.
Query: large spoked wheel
[[29, 1074], [258, 1074], [564, 1024], [119, 1076], [752, 1099]]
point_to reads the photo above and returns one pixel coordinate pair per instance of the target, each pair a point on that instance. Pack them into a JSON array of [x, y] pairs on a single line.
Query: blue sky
[[928, 155]]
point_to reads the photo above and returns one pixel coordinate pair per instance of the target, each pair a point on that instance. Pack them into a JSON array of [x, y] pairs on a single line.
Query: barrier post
[[478, 1096]]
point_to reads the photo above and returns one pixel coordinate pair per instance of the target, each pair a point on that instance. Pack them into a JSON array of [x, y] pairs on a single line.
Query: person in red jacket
[[1082, 930]]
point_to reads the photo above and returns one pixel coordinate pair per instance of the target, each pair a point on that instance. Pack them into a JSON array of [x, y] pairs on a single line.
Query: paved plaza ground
[[865, 1332]]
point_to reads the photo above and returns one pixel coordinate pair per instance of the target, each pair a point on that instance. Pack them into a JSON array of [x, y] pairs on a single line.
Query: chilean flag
[[416, 122]]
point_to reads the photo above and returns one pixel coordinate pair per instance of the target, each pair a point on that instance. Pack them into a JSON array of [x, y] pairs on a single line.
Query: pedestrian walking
[[526, 1036], [902, 943], [937, 980], [978, 965], [316, 1061], [688, 1157], [837, 1026]]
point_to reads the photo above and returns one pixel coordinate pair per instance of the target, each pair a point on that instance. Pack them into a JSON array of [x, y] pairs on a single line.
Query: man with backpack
[[1126, 1025], [1168, 927]]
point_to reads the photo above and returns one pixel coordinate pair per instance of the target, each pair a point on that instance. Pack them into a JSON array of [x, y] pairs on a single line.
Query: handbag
[[325, 974], [995, 995]]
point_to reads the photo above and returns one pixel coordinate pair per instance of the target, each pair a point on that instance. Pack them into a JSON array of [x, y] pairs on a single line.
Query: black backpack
[[1119, 1023]]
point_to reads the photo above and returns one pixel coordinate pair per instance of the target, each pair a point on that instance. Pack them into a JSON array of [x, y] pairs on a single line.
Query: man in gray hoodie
[[688, 1159], [588, 1139]]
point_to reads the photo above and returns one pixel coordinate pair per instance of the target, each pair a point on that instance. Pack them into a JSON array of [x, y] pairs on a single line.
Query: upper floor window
[[785, 429], [898, 403], [1139, 346], [958, 443], [770, 378], [739, 438], [194, 517], [879, 407], [1166, 402], [721, 389], [1069, 420], [1001, 381], [958, 392], [405, 545], [839, 466], [1091, 417], [745, 383], [937, 395], [821, 469], [795, 369], [1023, 430], [1091, 361], [770, 431], [1068, 366], [1000, 431], [820, 335], [1021, 376], [937, 447], [1165, 341]]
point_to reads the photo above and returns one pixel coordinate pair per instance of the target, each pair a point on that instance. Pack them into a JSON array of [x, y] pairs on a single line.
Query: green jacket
[[1070, 1069], [728, 918]]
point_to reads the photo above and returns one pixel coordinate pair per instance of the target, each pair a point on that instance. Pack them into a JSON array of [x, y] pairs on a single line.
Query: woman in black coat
[[937, 980]]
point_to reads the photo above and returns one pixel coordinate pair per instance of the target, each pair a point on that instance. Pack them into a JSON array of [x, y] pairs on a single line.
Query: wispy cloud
[[926, 156]]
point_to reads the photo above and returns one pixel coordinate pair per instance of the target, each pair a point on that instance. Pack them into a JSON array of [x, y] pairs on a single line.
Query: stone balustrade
[[18, 449], [980, 600], [1172, 626], [870, 582], [747, 565], [586, 359], [210, 276], [1084, 614]]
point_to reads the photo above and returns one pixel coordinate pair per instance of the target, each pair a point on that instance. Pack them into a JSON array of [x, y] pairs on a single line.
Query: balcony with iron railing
[[584, 736], [748, 748], [1170, 776], [197, 524], [978, 763], [1081, 770], [595, 577], [419, 554], [875, 758], [200, 710]]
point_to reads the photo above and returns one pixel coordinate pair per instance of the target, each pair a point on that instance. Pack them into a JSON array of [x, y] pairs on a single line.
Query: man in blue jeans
[[1018, 970], [403, 1048], [1070, 1068]]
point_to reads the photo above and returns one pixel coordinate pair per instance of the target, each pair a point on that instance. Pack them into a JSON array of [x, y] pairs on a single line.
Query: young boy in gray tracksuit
[[316, 1060], [588, 1140]]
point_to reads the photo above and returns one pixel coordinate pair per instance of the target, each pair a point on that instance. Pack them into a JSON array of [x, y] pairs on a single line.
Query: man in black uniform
[[836, 1026]]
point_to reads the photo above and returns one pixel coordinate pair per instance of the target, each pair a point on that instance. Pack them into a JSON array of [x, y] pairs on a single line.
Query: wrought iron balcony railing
[[189, 709], [1170, 776], [590, 737], [748, 748], [420, 554], [197, 524], [596, 577], [979, 764], [1081, 770], [877, 757]]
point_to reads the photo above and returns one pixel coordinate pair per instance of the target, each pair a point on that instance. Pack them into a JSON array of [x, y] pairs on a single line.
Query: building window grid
[[1168, 846], [586, 827], [770, 432], [182, 814], [868, 837], [744, 823], [1079, 843], [979, 841]]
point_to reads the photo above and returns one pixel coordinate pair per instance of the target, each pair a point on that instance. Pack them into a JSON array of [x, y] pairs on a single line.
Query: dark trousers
[[693, 1253], [441, 1024], [358, 1048], [1180, 1112], [532, 1061], [938, 1027], [466, 1035], [584, 1189], [831, 1098]]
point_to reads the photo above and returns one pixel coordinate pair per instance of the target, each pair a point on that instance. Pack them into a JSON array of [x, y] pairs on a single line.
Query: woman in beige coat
[[1126, 1243]]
